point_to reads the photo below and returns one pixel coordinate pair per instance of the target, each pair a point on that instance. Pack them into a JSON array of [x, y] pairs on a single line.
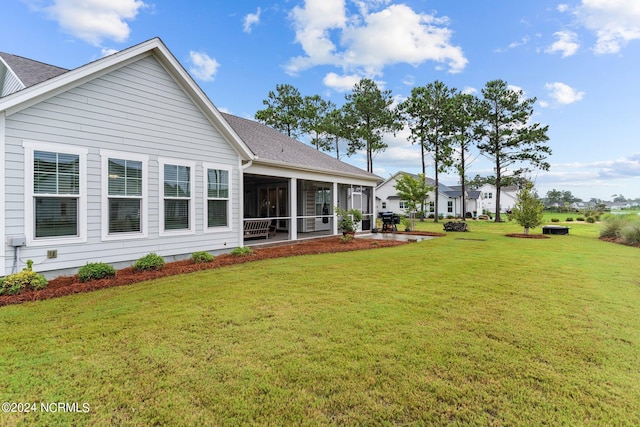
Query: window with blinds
[[125, 196], [217, 198], [177, 197], [56, 192]]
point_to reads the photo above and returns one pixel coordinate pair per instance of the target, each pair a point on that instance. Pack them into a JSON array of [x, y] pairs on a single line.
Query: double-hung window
[[177, 188], [55, 198], [124, 189], [217, 196], [450, 206]]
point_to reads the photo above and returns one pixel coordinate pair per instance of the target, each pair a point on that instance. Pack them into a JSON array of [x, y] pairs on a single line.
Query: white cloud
[[468, 90], [341, 83], [95, 20], [250, 20], [107, 51], [563, 8], [369, 41], [563, 93], [567, 43], [614, 22], [204, 68]]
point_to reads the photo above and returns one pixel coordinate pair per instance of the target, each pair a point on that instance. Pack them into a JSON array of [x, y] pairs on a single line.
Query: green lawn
[[469, 329]]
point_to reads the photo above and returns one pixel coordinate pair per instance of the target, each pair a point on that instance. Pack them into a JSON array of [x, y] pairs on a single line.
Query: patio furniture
[[256, 228]]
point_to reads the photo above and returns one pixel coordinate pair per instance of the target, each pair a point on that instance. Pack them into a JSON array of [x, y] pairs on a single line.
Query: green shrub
[[95, 271], [630, 233], [569, 219], [346, 238], [241, 251], [591, 219], [25, 280], [150, 261], [580, 218], [201, 257], [555, 220], [612, 226]]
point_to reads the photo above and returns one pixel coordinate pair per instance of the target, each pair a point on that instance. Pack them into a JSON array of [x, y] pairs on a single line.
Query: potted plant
[[349, 220]]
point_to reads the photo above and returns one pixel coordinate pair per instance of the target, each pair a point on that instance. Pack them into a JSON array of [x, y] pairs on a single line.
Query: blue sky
[[579, 58]]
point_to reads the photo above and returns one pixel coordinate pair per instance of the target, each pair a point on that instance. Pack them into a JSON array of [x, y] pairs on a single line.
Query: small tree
[[414, 192], [528, 211]]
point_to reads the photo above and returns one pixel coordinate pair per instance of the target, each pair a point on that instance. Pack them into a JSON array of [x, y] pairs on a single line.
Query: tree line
[[447, 124]]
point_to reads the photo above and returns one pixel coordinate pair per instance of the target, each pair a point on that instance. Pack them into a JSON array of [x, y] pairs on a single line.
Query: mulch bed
[[68, 285]]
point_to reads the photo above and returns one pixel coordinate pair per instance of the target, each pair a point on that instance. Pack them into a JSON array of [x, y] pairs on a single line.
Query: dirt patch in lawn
[[68, 285], [527, 236]]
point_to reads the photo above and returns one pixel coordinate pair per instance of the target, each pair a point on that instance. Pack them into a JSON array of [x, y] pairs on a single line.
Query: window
[[384, 205], [177, 214], [450, 206], [488, 195], [432, 206], [124, 190], [55, 202], [217, 195], [403, 204]]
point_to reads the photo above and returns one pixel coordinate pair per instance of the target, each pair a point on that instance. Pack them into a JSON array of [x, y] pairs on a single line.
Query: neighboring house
[[449, 198], [487, 198], [126, 155]]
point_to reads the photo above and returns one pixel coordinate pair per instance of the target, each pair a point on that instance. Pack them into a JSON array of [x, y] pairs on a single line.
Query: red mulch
[[527, 236], [68, 285], [618, 241]]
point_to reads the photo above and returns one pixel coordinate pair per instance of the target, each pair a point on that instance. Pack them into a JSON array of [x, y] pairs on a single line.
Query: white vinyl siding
[[177, 187], [133, 113], [217, 197], [124, 195], [55, 193]]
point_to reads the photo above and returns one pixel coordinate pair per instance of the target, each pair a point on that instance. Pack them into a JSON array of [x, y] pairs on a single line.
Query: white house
[[487, 198], [449, 198], [126, 155]]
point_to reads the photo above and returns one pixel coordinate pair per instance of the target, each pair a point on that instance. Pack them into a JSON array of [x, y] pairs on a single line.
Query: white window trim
[[29, 216], [144, 215], [3, 190], [205, 197], [192, 211]]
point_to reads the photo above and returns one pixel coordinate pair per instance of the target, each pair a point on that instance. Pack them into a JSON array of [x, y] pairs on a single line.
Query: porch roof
[[274, 147]]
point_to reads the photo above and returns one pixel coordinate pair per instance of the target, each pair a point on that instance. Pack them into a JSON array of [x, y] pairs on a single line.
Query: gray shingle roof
[[31, 72], [271, 145]]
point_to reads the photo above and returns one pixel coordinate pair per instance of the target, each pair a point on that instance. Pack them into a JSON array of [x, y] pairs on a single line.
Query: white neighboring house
[[487, 198], [449, 198]]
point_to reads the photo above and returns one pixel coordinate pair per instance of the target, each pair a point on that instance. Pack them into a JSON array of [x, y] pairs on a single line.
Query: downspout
[[3, 191]]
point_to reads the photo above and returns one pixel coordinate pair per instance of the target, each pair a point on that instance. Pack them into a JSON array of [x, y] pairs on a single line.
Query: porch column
[[3, 189], [334, 203], [293, 209]]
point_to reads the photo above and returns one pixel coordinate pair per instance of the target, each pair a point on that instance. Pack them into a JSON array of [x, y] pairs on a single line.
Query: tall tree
[[314, 121], [507, 137], [463, 116], [335, 128], [427, 112], [369, 115], [284, 110]]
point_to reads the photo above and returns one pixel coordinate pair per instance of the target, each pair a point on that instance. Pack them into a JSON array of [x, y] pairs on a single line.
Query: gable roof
[[28, 71], [271, 146], [64, 81]]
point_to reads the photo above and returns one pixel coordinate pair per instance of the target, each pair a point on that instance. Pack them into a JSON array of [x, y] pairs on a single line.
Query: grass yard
[[469, 329]]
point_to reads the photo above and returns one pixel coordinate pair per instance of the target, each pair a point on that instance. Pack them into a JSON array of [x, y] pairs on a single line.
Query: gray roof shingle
[[31, 72], [271, 145]]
